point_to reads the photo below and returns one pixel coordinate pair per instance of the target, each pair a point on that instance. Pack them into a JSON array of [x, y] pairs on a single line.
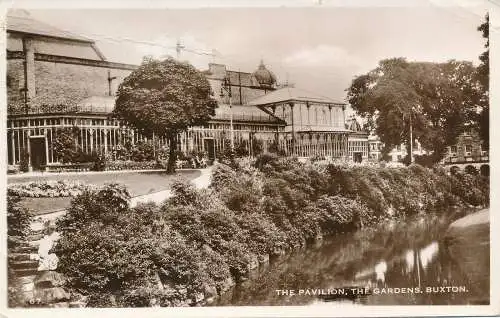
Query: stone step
[[34, 243], [21, 256], [25, 249], [24, 264], [35, 237], [26, 279], [26, 272]]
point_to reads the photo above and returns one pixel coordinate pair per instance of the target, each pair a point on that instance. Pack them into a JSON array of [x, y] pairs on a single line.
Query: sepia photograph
[[316, 156]]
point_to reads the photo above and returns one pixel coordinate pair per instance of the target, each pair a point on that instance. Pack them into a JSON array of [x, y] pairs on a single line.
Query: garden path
[[202, 181]]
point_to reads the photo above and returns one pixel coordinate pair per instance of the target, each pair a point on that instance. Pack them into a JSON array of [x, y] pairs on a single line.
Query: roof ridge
[[63, 33]]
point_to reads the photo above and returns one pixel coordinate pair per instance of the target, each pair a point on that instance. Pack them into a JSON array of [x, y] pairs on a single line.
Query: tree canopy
[[483, 72], [164, 98], [438, 99]]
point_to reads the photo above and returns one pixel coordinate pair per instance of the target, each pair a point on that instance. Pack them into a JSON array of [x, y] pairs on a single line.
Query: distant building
[[56, 80], [397, 154], [468, 154]]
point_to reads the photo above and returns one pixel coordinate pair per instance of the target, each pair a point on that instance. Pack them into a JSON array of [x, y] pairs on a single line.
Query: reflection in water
[[397, 266], [410, 261], [380, 270], [428, 253]]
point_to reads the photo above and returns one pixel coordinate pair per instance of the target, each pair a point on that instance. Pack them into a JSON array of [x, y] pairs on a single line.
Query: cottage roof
[[292, 94]]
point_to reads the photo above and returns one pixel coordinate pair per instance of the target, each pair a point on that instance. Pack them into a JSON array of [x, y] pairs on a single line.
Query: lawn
[[138, 183]]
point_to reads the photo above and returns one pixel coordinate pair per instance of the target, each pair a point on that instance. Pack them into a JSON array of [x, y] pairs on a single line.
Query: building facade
[[397, 154], [468, 154], [57, 80]]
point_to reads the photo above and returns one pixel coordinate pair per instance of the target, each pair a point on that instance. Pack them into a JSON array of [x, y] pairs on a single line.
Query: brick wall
[[15, 84]]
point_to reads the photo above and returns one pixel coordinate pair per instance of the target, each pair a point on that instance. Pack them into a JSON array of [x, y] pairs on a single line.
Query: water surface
[[408, 262]]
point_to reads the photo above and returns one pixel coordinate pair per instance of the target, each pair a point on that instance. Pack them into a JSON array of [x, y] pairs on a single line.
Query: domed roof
[[264, 76]]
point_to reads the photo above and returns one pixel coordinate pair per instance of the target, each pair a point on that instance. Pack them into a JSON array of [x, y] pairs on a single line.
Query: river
[[405, 262]]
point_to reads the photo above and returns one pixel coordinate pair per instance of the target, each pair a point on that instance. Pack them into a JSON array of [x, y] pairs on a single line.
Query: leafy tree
[[437, 100], [483, 72], [165, 97]]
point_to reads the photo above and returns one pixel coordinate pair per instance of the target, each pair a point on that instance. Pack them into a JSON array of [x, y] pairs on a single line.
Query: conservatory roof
[[292, 94]]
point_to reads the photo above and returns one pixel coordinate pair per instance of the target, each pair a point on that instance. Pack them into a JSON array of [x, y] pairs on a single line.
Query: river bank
[[393, 263], [200, 242]]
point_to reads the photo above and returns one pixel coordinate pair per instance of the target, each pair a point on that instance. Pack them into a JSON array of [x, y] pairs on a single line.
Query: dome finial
[[265, 77], [262, 66]]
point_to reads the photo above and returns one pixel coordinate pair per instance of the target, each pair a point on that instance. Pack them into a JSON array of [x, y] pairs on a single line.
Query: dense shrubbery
[[18, 227], [18, 220], [141, 151], [24, 162], [199, 241]]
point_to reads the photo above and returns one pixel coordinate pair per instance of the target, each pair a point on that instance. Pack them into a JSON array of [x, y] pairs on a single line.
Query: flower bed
[[48, 189], [132, 165]]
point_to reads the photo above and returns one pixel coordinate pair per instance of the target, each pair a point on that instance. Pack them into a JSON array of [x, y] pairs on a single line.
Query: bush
[[266, 161], [18, 227], [98, 160], [18, 220], [24, 161]]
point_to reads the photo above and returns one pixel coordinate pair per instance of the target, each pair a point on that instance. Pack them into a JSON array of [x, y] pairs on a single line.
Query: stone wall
[[60, 84]]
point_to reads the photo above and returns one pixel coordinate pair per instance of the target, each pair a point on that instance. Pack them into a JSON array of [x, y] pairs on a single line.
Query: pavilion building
[[58, 80]]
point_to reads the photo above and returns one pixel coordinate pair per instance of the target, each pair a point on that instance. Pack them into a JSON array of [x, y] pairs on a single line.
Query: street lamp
[[226, 87], [412, 109]]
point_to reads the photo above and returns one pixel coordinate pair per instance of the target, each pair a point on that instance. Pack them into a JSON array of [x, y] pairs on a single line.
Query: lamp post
[[411, 137], [411, 132], [226, 87]]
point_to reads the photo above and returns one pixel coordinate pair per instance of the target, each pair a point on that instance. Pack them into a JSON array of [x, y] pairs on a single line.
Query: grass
[[138, 183]]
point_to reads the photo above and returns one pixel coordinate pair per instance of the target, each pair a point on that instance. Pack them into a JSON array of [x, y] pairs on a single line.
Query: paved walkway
[[203, 181]]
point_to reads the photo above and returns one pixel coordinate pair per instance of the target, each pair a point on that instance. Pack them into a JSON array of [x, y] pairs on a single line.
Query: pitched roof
[[25, 24], [292, 94]]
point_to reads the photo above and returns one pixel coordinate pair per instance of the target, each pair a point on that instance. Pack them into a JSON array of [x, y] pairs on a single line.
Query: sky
[[320, 49]]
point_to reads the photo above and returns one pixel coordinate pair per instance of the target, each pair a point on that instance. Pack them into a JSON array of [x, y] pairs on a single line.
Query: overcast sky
[[317, 48]]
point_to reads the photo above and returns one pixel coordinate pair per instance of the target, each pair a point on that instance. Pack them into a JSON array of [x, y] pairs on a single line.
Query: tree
[[436, 100], [483, 72], [164, 98]]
